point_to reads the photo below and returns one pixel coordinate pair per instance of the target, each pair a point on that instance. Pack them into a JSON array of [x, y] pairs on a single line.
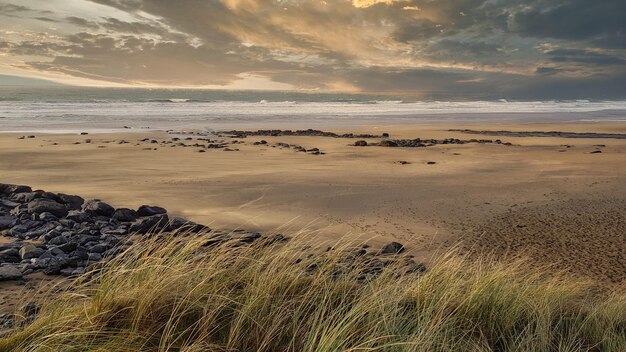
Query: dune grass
[[172, 295]]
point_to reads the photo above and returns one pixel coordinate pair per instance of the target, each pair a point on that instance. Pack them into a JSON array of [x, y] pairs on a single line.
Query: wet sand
[[548, 198]]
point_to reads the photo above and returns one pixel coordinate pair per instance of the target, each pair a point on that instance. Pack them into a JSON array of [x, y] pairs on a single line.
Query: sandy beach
[[549, 198]]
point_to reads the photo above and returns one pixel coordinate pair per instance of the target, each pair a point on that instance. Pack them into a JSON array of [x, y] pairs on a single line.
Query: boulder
[[148, 210], [98, 207], [10, 272], [10, 189], [29, 252], [7, 221], [42, 205], [150, 224], [360, 143], [125, 215], [388, 143], [392, 248], [78, 216], [71, 201]]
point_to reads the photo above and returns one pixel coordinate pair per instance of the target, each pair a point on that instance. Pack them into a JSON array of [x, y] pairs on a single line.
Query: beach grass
[[173, 294]]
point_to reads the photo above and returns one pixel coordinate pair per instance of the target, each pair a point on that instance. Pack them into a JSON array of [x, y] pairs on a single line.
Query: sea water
[[68, 109]]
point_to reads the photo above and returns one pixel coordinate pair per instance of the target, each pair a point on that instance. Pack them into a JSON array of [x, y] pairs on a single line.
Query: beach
[[536, 197]]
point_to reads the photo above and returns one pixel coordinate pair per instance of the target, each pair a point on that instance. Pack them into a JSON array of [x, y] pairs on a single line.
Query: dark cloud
[[599, 22], [469, 48], [543, 70], [81, 22], [585, 57]]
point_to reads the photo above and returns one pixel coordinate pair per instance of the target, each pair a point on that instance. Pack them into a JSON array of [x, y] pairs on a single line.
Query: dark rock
[[7, 221], [98, 207], [29, 252], [125, 215], [185, 225], [78, 216], [68, 247], [80, 253], [10, 189], [9, 272], [59, 240], [388, 143], [71, 201], [10, 255], [95, 257], [148, 210], [47, 217], [8, 204], [150, 224], [360, 143], [25, 197], [99, 248], [41, 205], [392, 248]]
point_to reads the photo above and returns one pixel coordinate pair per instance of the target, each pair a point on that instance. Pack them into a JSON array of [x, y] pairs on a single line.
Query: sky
[[548, 49]]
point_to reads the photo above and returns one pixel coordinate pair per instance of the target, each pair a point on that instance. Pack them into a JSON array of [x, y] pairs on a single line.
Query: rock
[[41, 205], [25, 197], [387, 143], [7, 221], [98, 207], [95, 257], [72, 271], [80, 253], [99, 248], [125, 215], [71, 201], [9, 272], [596, 152], [392, 248], [47, 217], [150, 224], [10, 255], [8, 204], [360, 143], [148, 210], [78, 216], [30, 309], [29, 252], [59, 240], [10, 189], [431, 162], [185, 225]]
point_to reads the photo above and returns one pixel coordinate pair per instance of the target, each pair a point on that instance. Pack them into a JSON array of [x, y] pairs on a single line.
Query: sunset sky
[[557, 48]]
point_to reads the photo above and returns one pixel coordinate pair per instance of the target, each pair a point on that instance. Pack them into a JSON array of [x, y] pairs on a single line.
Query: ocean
[[108, 109]]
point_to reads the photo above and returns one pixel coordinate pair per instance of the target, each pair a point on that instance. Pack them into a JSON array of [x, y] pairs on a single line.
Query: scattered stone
[[41, 205], [124, 215], [29, 252], [148, 210], [360, 143], [98, 207], [596, 152], [9, 272], [392, 248]]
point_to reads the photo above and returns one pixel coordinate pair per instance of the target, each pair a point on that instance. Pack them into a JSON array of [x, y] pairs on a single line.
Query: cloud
[[454, 47], [598, 22]]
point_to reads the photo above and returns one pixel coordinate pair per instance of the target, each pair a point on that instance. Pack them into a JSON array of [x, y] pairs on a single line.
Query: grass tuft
[[173, 295]]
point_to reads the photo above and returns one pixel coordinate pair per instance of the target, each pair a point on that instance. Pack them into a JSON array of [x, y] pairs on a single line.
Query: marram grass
[[170, 295]]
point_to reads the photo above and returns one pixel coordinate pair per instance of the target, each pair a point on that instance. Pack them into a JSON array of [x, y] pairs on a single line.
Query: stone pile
[[417, 142], [299, 133]]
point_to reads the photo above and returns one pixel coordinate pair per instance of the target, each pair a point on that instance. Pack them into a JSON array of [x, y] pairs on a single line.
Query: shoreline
[[135, 124]]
